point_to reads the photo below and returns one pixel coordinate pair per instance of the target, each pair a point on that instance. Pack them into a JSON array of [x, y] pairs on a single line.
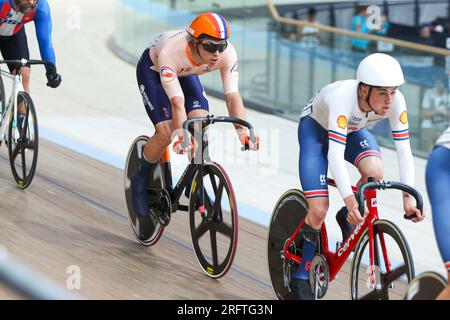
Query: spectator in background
[[434, 113], [309, 35], [425, 34], [359, 24]]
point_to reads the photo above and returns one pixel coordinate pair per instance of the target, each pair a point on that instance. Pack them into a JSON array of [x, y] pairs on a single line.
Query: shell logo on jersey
[[167, 74], [342, 122], [404, 117]]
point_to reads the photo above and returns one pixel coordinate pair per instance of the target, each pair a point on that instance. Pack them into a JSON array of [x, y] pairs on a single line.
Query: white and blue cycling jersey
[[333, 129]]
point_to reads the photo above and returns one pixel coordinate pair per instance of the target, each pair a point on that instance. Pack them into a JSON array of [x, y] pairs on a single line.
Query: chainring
[[319, 276]]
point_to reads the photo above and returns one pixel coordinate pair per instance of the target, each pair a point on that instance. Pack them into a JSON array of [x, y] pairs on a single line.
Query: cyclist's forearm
[[178, 113], [351, 202], [235, 108], [405, 162]]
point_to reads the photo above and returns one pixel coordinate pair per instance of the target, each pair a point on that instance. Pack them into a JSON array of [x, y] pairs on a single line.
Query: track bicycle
[[20, 130], [213, 215], [376, 243]]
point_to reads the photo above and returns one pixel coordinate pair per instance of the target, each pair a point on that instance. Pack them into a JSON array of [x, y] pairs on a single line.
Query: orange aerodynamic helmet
[[209, 25]]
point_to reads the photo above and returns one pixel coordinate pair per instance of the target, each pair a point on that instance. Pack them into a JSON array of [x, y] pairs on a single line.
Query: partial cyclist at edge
[[168, 79], [14, 14], [332, 129], [437, 176]]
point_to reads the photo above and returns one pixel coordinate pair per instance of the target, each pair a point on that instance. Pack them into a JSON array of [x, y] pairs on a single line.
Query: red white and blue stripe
[[400, 135], [316, 194], [220, 25], [365, 154], [337, 137]]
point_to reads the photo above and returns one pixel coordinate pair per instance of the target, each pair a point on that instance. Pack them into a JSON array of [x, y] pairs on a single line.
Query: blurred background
[[283, 63]]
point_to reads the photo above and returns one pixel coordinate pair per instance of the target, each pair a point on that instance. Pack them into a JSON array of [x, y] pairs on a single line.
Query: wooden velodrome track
[[74, 213]]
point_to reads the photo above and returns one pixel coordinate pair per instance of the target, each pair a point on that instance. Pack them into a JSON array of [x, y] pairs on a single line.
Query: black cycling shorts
[[15, 47]]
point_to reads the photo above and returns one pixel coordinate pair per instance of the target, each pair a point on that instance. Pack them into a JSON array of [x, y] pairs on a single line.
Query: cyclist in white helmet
[[332, 129]]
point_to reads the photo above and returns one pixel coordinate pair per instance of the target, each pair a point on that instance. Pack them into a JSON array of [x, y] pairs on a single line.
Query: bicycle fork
[[373, 248]]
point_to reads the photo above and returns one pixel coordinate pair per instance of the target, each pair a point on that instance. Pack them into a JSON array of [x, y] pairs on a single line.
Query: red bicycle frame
[[337, 259]]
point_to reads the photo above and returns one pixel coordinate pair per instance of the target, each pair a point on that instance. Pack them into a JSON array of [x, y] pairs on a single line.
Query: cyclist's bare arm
[[235, 107], [178, 113], [229, 73]]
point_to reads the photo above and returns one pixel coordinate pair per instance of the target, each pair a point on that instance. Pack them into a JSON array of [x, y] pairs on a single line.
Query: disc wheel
[[147, 229], [289, 212]]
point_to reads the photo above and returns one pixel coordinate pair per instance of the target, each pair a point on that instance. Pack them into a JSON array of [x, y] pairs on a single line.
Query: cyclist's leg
[[313, 164], [157, 106], [363, 152], [196, 105], [438, 184]]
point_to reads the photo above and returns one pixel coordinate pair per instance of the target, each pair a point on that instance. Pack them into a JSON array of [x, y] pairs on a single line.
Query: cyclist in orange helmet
[[167, 75]]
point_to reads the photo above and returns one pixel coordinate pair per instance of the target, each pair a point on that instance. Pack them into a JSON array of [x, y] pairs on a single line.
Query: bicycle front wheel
[[391, 252], [23, 140], [214, 226], [289, 212]]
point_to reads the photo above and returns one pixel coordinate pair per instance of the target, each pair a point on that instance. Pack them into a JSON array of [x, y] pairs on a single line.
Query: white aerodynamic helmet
[[380, 70]]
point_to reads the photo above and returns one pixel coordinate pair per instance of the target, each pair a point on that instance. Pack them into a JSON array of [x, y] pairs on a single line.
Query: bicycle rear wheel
[[23, 142], [391, 284], [289, 211], [147, 229], [215, 231]]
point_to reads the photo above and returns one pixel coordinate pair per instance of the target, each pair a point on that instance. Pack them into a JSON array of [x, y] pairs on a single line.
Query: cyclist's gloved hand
[[245, 140], [54, 79]]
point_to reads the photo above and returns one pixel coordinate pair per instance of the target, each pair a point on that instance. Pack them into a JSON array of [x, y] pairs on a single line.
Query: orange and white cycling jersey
[[171, 57]]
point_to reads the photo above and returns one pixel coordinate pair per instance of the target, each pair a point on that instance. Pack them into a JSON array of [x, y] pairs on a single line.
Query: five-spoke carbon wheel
[[23, 140], [213, 223]]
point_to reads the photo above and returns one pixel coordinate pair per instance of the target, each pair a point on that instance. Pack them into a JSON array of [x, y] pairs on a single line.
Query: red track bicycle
[[382, 263]]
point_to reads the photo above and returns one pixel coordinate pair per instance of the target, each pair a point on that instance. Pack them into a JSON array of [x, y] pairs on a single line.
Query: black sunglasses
[[213, 47]]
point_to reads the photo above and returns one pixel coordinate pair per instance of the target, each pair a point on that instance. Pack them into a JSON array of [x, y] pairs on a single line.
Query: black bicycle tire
[[26, 181], [387, 227], [282, 226], [214, 270]]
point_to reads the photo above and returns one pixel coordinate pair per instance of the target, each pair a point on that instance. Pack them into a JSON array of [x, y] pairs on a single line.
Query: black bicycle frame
[[199, 153]]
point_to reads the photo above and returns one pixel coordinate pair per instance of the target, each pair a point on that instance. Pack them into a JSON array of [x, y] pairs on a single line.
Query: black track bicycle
[[213, 215]]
